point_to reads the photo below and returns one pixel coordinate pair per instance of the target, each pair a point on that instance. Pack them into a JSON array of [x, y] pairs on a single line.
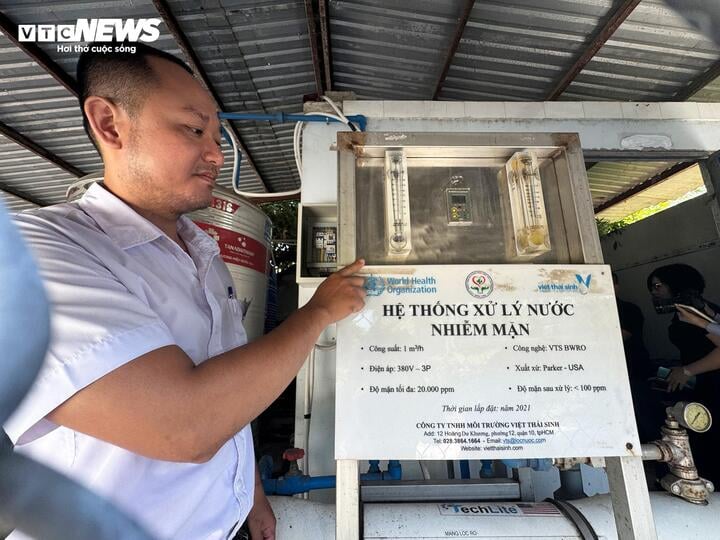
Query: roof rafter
[[313, 37], [181, 39], [621, 13], [325, 38], [41, 151], [698, 83], [10, 29], [459, 30]]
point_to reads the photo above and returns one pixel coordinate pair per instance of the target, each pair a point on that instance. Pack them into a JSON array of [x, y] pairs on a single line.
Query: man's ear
[[105, 119]]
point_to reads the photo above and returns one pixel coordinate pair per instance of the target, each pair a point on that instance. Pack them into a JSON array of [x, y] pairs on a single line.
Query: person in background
[[682, 284], [679, 376], [631, 326], [648, 410]]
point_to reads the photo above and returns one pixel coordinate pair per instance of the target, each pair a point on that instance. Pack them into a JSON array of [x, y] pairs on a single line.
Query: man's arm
[[162, 406]]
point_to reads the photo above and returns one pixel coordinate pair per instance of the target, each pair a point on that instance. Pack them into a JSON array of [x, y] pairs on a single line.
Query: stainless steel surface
[[433, 160], [498, 489]]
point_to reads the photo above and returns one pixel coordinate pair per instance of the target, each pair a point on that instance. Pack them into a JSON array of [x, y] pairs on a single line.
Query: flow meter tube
[[527, 204], [397, 204]]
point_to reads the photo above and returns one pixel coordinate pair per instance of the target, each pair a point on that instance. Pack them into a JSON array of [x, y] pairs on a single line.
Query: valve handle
[[293, 454]]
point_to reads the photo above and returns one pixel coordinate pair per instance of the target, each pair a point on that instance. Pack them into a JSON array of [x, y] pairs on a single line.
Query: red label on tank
[[237, 248], [224, 205]]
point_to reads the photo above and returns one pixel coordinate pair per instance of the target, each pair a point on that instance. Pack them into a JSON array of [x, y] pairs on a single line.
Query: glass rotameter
[[460, 198]]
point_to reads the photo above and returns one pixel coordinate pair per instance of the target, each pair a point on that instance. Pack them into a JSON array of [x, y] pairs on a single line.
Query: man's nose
[[213, 154]]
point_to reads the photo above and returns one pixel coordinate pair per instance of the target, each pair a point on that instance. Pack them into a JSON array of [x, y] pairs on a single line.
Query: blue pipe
[[358, 119], [464, 469], [486, 469], [294, 484]]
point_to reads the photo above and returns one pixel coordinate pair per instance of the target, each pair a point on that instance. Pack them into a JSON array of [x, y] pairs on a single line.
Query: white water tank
[[675, 519]]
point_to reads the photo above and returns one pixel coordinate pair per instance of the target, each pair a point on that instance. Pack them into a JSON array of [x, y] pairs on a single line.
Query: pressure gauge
[[693, 415]]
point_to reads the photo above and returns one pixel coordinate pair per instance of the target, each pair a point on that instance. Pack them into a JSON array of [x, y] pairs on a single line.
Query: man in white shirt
[[148, 387]]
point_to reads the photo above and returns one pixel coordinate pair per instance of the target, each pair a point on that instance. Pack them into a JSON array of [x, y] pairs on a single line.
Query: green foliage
[[283, 215], [609, 228]]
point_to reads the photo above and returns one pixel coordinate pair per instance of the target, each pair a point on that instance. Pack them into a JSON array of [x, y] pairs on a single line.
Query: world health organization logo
[[479, 284], [374, 285]]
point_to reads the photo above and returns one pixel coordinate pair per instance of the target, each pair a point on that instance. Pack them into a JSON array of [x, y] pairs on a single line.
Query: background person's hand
[[341, 294], [689, 317], [677, 379]]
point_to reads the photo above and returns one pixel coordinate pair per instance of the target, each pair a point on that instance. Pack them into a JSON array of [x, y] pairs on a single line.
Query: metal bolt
[[629, 446], [676, 489]]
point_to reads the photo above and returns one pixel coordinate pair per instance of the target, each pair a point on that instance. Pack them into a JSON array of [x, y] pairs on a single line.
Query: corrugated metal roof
[[608, 179], [385, 49], [14, 204], [32, 175], [258, 57], [518, 50], [669, 189], [41, 109], [650, 57]]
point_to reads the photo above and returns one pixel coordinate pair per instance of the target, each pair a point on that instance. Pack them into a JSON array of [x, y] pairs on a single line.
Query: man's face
[[173, 152]]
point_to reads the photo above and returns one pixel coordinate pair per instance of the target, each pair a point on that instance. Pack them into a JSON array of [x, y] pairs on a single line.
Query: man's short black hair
[[123, 77]]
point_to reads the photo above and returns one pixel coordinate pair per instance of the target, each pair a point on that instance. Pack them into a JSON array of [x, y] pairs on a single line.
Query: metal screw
[[676, 489], [629, 446]]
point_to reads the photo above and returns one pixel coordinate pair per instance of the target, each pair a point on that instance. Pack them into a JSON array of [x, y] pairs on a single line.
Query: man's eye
[[195, 131]]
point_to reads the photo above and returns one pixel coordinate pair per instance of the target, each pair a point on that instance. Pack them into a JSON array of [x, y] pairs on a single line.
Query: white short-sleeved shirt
[[119, 288]]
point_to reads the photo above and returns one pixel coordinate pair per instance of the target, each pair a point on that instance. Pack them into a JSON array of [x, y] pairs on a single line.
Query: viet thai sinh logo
[[479, 284], [583, 283], [374, 285]]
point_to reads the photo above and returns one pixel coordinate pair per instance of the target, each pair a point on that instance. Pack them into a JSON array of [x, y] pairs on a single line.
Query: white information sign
[[505, 361]]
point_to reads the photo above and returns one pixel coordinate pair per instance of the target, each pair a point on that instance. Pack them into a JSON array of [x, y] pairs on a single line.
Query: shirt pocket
[[233, 330]]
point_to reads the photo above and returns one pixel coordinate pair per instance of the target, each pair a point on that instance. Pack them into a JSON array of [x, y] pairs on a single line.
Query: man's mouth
[[208, 177]]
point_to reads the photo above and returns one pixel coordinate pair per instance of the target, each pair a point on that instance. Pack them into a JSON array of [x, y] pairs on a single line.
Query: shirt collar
[[128, 229]]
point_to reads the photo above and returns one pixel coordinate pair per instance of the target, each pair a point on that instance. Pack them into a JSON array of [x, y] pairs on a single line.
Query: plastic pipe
[[358, 119], [293, 485]]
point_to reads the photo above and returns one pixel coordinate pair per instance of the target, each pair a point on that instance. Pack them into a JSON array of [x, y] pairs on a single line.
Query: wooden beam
[[41, 151], [667, 173], [313, 37], [325, 38], [698, 83], [10, 29], [613, 23], [459, 30], [181, 39]]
